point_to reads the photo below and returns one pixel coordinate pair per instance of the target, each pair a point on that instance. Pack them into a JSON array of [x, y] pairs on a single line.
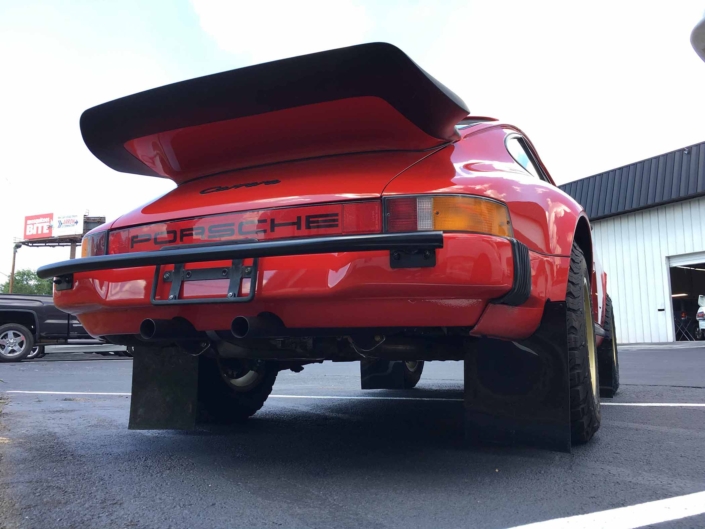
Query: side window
[[518, 152]]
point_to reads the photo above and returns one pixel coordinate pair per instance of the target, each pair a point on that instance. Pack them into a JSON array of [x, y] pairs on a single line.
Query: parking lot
[[322, 453]]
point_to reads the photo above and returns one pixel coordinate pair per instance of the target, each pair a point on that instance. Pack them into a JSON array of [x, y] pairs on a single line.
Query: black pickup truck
[[27, 323]]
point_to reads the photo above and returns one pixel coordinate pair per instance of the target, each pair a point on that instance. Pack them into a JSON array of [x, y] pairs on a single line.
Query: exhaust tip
[[239, 327], [148, 329]]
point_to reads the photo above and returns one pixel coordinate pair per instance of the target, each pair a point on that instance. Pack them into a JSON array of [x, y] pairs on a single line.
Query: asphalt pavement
[[318, 455]]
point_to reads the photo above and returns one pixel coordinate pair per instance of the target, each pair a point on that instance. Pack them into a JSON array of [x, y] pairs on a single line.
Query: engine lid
[[317, 181]]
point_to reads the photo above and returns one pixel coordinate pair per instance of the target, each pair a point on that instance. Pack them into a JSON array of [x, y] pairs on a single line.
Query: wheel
[[582, 354], [412, 373], [608, 357], [16, 342], [699, 334], [37, 352], [233, 390]]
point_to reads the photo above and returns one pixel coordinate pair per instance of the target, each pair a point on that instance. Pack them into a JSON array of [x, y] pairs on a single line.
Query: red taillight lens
[[119, 242], [94, 244], [700, 315], [402, 215]]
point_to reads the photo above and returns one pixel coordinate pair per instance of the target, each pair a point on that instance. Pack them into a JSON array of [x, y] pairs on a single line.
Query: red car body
[[357, 289], [342, 147]]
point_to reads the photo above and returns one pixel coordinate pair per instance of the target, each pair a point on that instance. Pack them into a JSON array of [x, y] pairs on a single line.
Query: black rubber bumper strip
[[521, 286], [201, 253]]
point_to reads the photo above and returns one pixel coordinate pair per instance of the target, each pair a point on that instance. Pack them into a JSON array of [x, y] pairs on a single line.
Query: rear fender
[[544, 218]]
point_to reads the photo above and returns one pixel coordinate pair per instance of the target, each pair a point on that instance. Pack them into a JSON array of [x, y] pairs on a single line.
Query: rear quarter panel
[[543, 217]]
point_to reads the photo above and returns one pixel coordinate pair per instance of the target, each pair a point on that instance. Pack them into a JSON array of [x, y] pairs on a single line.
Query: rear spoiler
[[370, 97]]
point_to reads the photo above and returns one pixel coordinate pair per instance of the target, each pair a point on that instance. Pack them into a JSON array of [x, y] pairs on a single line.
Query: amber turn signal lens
[[471, 214], [94, 244]]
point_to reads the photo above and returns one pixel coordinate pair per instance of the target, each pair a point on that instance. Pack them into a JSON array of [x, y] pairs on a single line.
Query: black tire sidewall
[[221, 403], [28, 336], [40, 352], [584, 401], [411, 378], [605, 357]]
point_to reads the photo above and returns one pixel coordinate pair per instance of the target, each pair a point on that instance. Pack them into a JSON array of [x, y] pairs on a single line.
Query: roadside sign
[[67, 225], [38, 226]]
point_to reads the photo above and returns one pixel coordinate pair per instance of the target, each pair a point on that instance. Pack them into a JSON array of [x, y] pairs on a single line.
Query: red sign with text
[[38, 226]]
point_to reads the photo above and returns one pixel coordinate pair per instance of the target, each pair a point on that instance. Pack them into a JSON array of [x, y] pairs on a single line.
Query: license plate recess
[[235, 273]]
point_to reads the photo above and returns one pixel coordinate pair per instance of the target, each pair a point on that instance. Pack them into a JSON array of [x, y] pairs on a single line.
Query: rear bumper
[[352, 285]]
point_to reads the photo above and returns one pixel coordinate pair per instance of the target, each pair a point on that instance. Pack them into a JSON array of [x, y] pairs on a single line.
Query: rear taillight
[[94, 244], [447, 213], [700, 315]]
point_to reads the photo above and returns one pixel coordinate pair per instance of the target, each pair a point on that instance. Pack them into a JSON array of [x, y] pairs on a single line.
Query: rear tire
[[230, 391], [37, 352], [16, 342], [412, 373], [608, 356], [584, 377]]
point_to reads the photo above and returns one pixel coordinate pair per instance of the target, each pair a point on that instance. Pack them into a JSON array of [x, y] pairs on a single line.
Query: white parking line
[[655, 404], [630, 517], [351, 397], [340, 397], [69, 393]]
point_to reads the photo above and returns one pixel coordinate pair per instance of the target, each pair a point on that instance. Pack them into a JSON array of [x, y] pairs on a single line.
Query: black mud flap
[[381, 374], [519, 392], [164, 389]]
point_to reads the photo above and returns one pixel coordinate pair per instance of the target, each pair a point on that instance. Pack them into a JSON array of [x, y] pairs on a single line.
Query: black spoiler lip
[[375, 69], [202, 253]]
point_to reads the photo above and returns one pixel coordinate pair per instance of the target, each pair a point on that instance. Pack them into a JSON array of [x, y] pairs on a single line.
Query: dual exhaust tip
[[263, 326]]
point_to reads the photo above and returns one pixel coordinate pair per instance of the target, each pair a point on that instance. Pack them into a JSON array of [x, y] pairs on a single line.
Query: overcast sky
[[595, 84]]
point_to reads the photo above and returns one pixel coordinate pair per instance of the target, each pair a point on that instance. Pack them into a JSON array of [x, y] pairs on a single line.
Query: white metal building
[[649, 230]]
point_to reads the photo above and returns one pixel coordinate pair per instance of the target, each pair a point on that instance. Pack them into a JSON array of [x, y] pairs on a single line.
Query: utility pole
[[12, 272]]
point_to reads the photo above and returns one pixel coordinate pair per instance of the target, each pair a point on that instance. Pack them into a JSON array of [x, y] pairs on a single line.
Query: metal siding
[[590, 197], [693, 170], [601, 196], [634, 249], [660, 178], [611, 182], [642, 176], [653, 168], [629, 199], [671, 188], [669, 177], [622, 193], [701, 167]]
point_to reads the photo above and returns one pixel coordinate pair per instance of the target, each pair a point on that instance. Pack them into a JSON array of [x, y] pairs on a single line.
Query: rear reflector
[[448, 213], [362, 217]]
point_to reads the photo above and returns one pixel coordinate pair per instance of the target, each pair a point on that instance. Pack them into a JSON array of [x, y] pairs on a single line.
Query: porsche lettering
[[228, 230]]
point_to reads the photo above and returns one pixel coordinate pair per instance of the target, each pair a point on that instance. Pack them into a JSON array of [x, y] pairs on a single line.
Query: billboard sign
[[67, 225], [51, 225], [38, 226]]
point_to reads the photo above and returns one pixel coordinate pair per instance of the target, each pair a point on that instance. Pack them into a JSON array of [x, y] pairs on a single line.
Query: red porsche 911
[[343, 206]]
